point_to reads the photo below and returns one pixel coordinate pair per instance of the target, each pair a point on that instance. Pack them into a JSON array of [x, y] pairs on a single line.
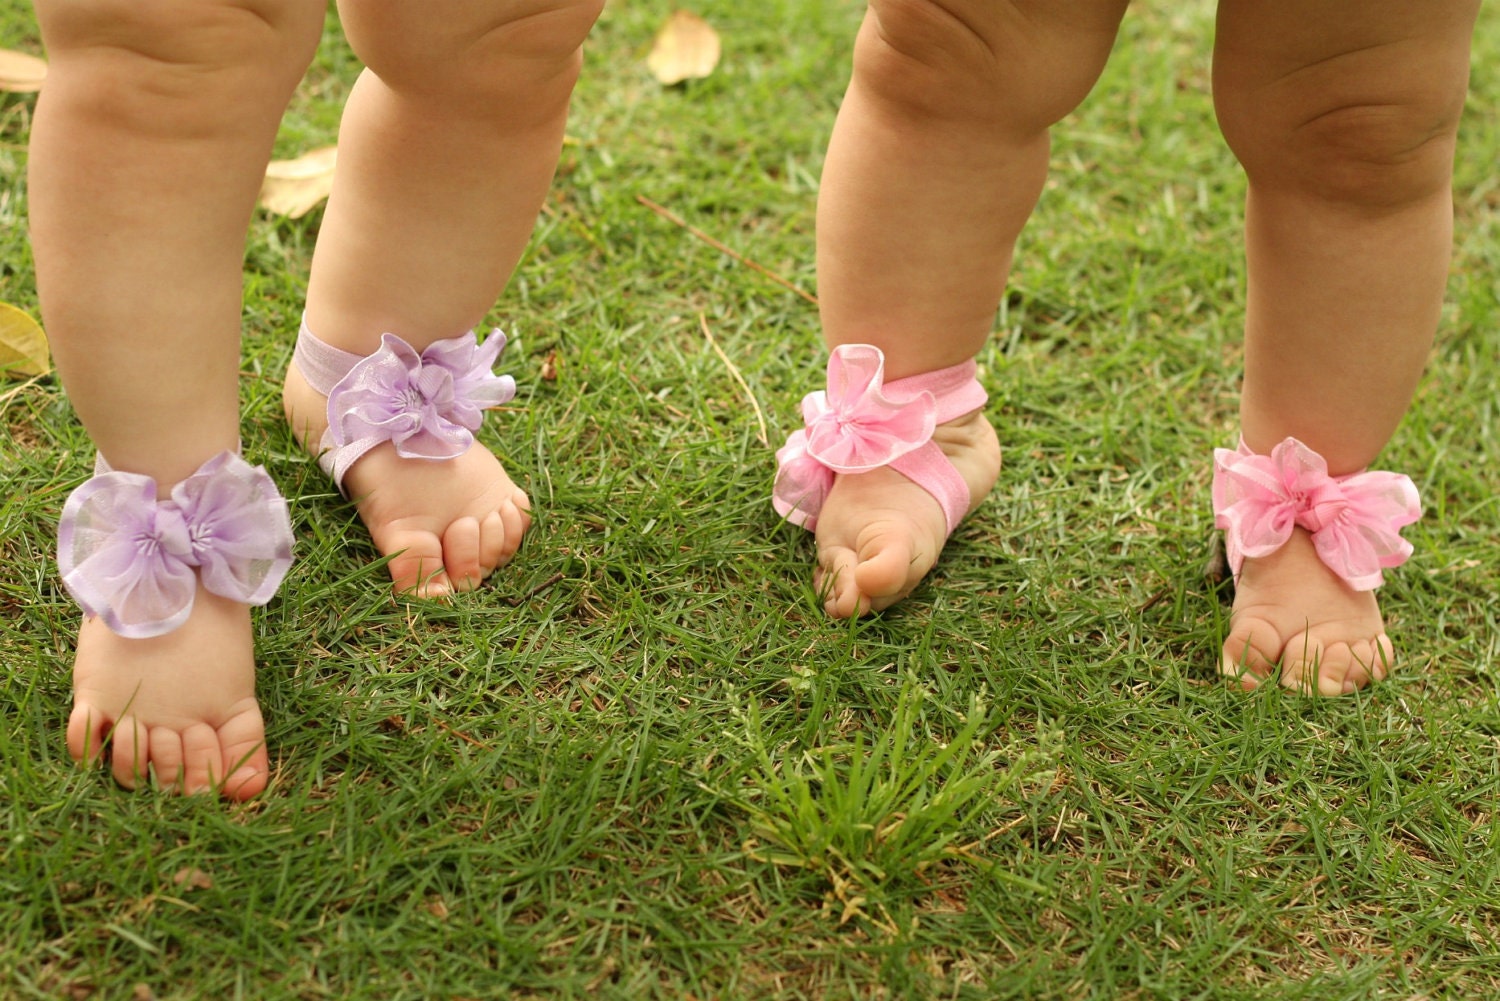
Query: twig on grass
[[677, 220], [516, 601], [760, 418]]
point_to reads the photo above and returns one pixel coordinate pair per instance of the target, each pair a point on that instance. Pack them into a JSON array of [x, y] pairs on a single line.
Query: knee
[[1371, 153], [524, 51], [984, 64], [181, 67]]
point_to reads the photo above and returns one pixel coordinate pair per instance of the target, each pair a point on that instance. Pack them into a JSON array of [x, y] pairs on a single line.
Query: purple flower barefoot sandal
[[427, 404], [1355, 521], [862, 423], [135, 561]]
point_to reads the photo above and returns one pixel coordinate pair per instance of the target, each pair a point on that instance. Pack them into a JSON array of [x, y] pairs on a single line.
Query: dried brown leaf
[[23, 345], [686, 48], [20, 72], [294, 188], [193, 879]]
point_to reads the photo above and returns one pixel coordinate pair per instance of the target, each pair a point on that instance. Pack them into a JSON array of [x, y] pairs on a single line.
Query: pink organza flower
[[853, 427], [1354, 520]]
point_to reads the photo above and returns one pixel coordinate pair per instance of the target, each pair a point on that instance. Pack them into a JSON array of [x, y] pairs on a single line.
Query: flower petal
[[240, 530], [125, 557]]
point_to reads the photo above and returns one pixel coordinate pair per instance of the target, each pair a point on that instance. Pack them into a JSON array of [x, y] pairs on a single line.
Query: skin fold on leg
[[447, 148], [150, 141], [1344, 117], [937, 159]]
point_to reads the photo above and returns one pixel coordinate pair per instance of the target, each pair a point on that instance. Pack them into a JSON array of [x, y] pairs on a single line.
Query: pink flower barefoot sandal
[[862, 423], [135, 561], [1355, 521], [427, 404]]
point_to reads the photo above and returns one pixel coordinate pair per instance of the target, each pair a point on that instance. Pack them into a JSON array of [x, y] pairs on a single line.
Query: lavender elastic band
[[428, 405], [862, 422], [134, 560]]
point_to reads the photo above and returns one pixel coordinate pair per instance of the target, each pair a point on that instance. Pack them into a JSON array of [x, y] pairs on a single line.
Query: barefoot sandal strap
[[1355, 520], [862, 423], [427, 404], [134, 560]]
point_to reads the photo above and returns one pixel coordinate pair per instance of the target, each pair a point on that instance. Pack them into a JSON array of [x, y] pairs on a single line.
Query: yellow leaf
[[686, 48], [294, 188], [23, 345], [21, 73]]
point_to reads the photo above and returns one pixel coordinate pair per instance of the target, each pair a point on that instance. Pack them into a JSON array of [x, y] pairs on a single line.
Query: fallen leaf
[[294, 188], [193, 879], [23, 345], [686, 48], [21, 73]]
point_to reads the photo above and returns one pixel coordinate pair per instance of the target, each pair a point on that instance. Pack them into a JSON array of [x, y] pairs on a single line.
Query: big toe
[[879, 572], [889, 565], [88, 730], [1251, 651], [243, 767]]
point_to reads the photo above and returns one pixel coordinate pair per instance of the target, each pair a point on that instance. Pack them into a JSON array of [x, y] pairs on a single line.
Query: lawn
[[643, 764]]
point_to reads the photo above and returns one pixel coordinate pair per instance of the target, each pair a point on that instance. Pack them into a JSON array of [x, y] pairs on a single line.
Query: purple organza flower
[[428, 405], [133, 560]]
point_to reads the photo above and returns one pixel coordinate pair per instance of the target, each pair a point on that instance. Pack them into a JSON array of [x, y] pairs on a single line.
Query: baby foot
[[178, 709], [879, 533], [1289, 608], [446, 524]]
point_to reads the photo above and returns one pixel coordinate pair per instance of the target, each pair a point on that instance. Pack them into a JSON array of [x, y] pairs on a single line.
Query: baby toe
[[834, 581], [461, 554], [203, 760], [129, 752], [166, 757], [1366, 661], [515, 519]]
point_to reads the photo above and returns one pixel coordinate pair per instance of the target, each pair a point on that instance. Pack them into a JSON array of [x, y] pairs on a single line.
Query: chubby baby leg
[[1344, 117], [149, 145], [937, 159], [447, 147]]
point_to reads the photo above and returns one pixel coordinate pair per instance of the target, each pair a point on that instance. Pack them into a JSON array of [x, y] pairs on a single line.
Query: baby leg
[[147, 152], [447, 147], [1344, 117], [937, 159]]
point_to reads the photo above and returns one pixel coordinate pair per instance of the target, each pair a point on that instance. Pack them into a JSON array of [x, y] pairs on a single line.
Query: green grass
[[642, 765]]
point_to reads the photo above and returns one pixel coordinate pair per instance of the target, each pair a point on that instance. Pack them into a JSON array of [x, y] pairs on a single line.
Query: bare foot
[[879, 533], [1291, 609], [178, 709], [449, 524]]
